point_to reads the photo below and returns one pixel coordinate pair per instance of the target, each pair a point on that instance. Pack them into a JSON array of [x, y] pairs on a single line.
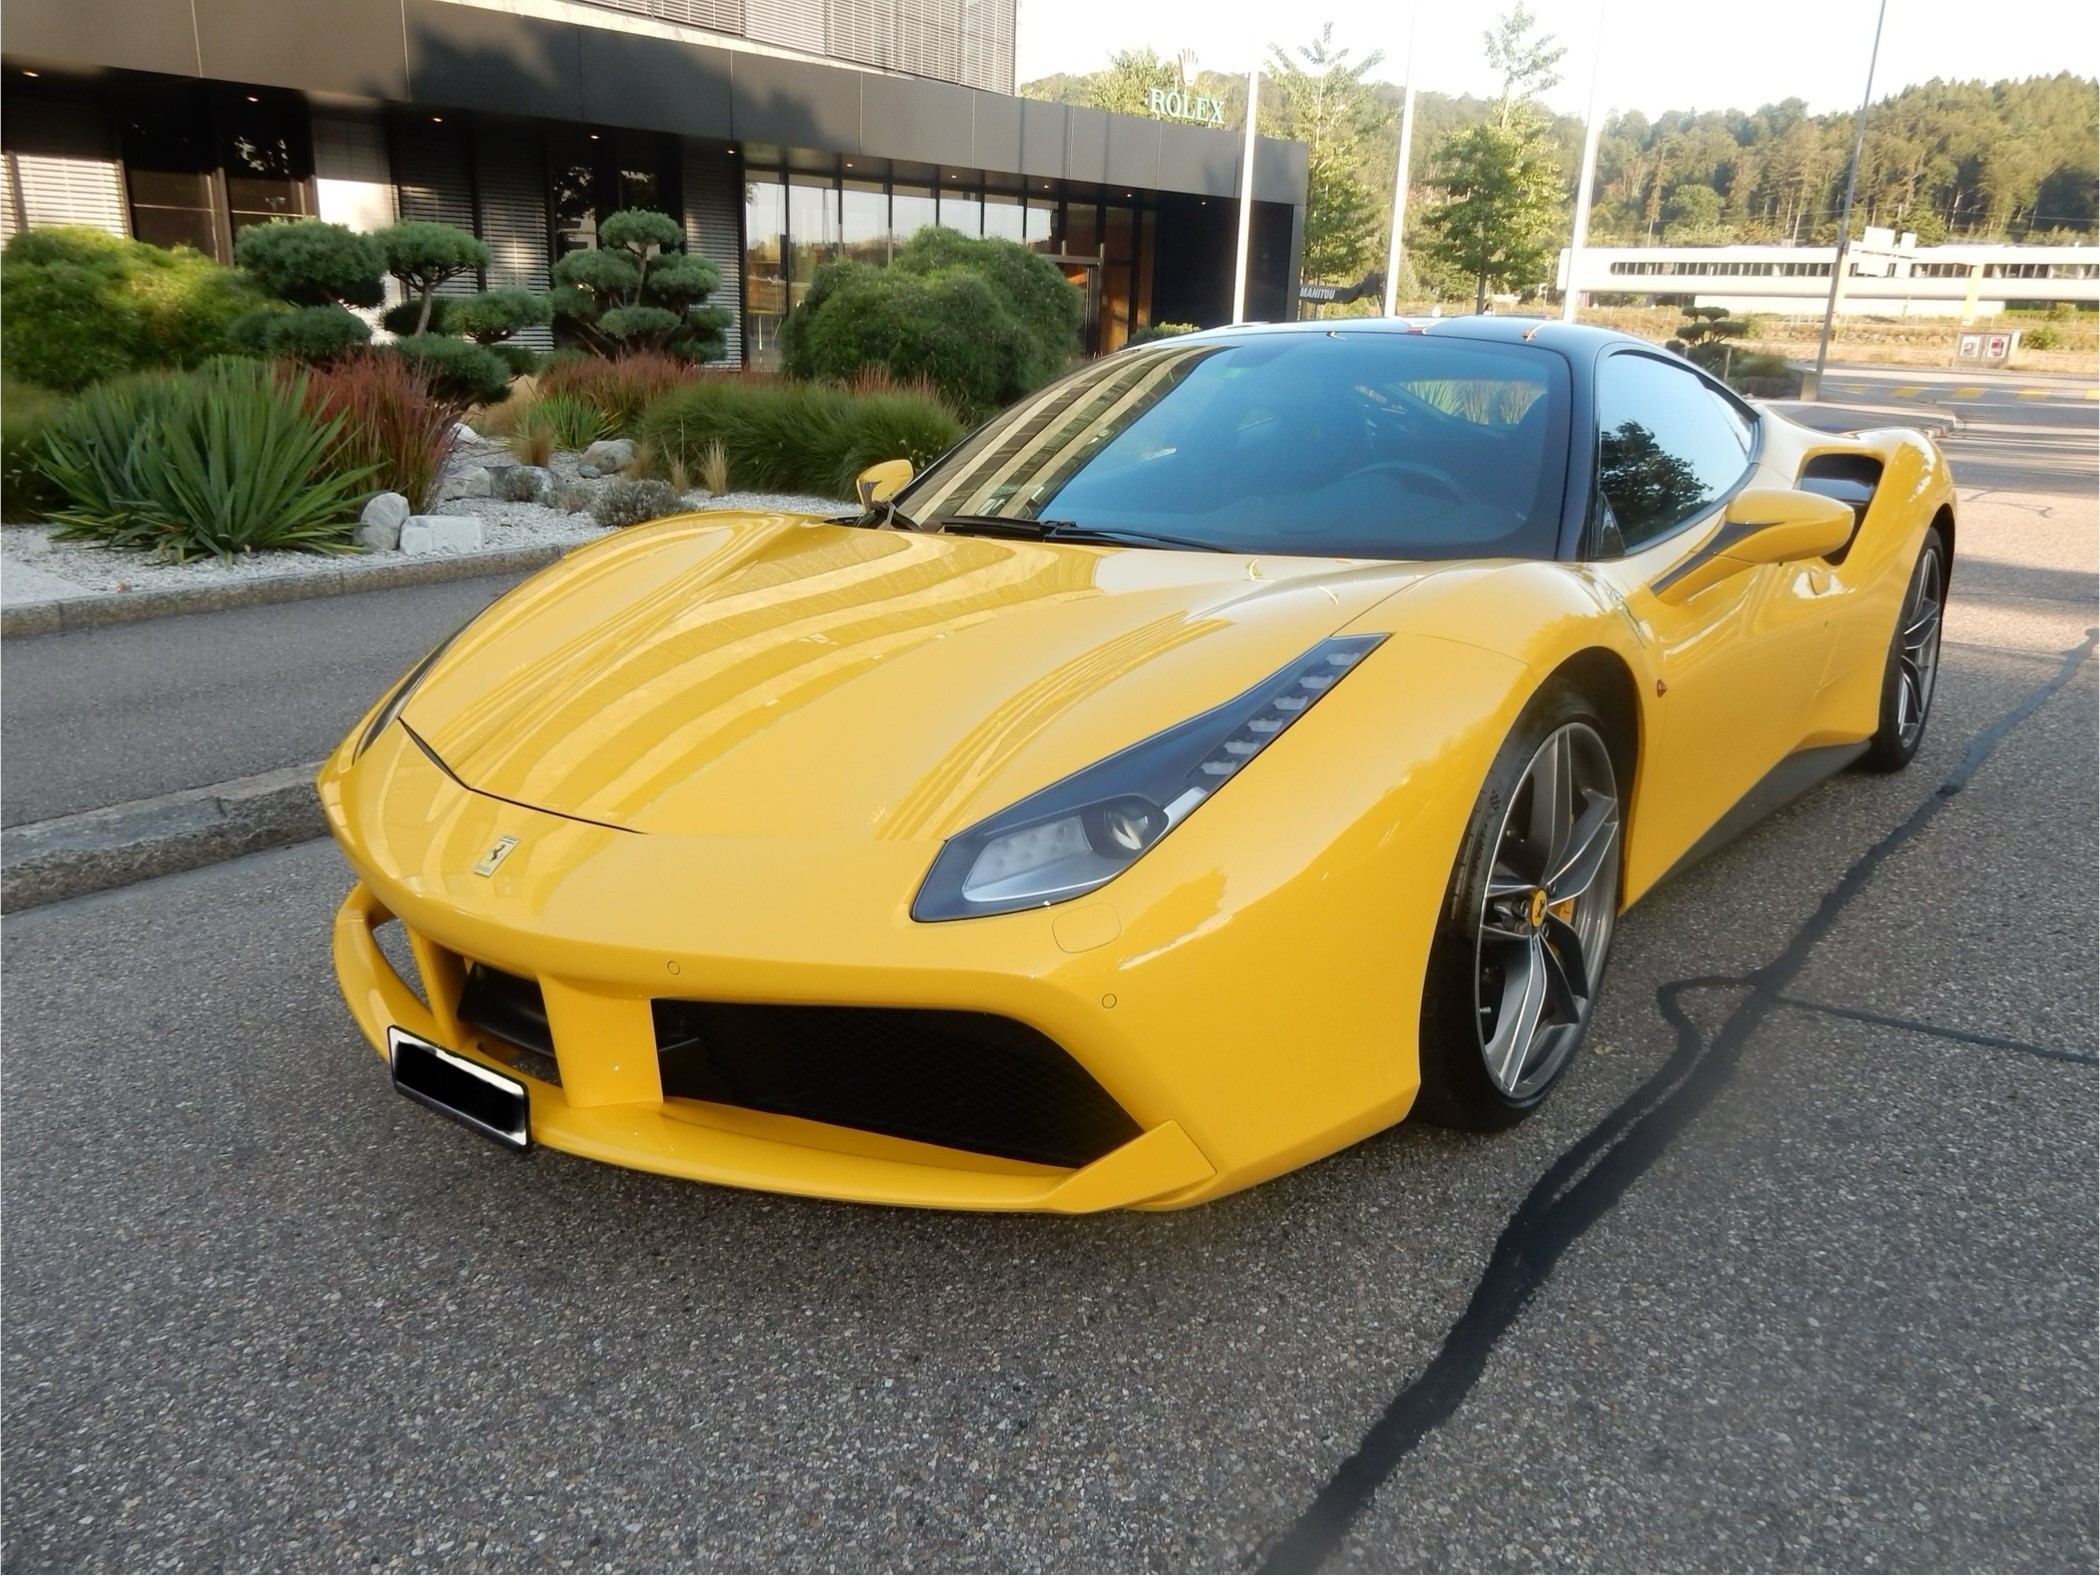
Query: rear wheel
[[1527, 923], [1913, 662]]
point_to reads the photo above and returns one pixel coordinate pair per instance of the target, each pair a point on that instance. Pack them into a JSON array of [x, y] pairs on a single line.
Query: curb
[[61, 615], [73, 855]]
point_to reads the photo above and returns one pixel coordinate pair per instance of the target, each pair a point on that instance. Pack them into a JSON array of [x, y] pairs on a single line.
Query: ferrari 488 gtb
[[1236, 745]]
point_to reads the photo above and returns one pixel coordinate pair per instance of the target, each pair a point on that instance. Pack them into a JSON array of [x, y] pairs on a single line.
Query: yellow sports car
[[1239, 744]]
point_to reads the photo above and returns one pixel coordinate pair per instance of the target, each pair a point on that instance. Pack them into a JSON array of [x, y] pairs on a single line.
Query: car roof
[[1569, 338]]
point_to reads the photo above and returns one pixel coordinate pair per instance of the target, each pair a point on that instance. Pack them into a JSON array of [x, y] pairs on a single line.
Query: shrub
[[633, 499], [26, 414], [622, 387], [309, 262], [460, 372], [985, 320], [2042, 337], [794, 437], [391, 424], [223, 460], [714, 467], [1147, 333], [82, 305], [555, 421], [635, 291], [312, 334], [423, 255]]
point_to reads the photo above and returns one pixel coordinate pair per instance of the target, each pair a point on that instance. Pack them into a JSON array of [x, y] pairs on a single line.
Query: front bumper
[[608, 1104]]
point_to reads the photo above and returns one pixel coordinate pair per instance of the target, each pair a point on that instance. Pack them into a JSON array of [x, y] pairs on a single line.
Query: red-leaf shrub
[[391, 421], [622, 387]]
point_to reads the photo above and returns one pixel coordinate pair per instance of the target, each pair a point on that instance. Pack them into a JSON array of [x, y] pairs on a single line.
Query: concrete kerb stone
[[62, 614], [73, 855]]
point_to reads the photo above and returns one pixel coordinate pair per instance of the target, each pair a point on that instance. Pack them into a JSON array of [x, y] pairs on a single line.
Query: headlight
[[1085, 830], [394, 702]]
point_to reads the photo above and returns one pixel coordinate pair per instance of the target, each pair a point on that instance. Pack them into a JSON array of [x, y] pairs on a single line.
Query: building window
[[765, 261], [864, 221]]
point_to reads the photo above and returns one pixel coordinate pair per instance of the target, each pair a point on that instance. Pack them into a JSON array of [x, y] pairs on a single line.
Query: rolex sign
[[1180, 104]]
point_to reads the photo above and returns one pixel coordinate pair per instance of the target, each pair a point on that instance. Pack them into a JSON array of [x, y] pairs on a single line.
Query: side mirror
[[878, 482], [1763, 525]]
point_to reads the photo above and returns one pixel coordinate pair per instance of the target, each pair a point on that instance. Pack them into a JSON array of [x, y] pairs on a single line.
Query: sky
[[1658, 54]]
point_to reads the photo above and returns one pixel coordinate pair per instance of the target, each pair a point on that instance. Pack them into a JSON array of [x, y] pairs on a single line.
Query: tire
[[1527, 922], [1911, 673]]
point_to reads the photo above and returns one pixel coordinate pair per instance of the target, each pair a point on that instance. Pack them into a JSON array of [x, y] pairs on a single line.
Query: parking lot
[[1797, 1270]]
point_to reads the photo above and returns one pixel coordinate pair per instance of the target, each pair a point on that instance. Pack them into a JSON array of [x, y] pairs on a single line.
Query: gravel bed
[[95, 568]]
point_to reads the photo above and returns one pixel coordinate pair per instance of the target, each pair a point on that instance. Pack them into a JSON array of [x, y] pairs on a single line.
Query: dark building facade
[[780, 132]]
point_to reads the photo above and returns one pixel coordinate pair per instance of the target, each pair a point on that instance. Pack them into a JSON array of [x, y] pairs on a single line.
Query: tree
[[1501, 209], [637, 291], [1324, 102], [307, 262], [1524, 63], [1125, 88], [423, 255]]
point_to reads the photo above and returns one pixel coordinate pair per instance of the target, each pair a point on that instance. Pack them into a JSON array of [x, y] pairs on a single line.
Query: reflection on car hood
[[766, 675]]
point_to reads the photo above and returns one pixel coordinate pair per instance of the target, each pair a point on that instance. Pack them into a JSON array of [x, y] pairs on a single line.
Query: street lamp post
[[1587, 179], [1239, 267], [1814, 390], [1407, 142]]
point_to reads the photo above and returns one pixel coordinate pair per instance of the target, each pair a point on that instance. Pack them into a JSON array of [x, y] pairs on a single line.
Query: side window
[[1668, 447]]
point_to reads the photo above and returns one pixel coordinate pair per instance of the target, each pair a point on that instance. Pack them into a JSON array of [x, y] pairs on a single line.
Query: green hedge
[[26, 413], [986, 321], [796, 437], [78, 306]]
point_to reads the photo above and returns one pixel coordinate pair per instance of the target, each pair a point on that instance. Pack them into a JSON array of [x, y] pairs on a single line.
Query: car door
[[1739, 661]]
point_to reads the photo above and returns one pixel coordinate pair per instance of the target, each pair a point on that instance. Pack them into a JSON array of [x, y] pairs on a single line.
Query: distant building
[[1886, 275], [781, 133]]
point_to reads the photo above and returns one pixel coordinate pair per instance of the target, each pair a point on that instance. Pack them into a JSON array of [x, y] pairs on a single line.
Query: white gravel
[[89, 568]]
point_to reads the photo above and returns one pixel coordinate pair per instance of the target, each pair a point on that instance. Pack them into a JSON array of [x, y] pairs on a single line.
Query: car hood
[[768, 675]]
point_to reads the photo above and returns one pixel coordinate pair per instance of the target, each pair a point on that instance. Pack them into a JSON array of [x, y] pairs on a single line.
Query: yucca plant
[[224, 460]]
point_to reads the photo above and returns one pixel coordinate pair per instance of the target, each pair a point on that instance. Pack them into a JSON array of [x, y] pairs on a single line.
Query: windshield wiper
[[1068, 531]]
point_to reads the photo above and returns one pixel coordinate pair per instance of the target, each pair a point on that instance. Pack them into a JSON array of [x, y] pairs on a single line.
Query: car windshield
[[1372, 444]]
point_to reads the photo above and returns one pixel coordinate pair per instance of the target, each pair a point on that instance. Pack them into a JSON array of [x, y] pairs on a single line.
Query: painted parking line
[[2035, 393], [1973, 391], [1908, 391]]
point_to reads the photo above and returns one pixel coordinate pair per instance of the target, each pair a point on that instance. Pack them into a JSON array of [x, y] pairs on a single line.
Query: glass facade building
[[780, 133]]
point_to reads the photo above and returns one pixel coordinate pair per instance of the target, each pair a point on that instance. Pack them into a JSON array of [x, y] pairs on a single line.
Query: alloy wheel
[[1918, 650], [1546, 918]]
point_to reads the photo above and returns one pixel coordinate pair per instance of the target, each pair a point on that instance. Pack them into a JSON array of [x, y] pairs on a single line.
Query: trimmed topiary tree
[[309, 262], [312, 334], [459, 372], [423, 255], [638, 291]]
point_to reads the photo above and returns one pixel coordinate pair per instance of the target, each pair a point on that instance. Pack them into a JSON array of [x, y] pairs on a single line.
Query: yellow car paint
[[652, 718]]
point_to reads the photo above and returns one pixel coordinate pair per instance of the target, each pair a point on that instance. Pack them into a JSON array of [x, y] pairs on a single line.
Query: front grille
[[964, 1080], [513, 1009]]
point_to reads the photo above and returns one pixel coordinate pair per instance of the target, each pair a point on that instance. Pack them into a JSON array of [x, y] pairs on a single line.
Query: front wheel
[[1527, 922], [1913, 662]]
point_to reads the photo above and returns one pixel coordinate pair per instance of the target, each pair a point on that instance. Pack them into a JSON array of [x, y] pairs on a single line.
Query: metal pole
[[1405, 151], [1239, 268], [1837, 265], [1586, 180]]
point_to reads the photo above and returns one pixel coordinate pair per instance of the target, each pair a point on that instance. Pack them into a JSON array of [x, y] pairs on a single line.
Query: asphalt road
[[1798, 1270], [2020, 433], [105, 716]]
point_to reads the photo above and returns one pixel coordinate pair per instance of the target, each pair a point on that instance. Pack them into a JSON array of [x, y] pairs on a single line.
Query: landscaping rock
[[589, 473], [379, 527], [465, 433], [520, 484], [610, 454], [441, 533], [472, 482]]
